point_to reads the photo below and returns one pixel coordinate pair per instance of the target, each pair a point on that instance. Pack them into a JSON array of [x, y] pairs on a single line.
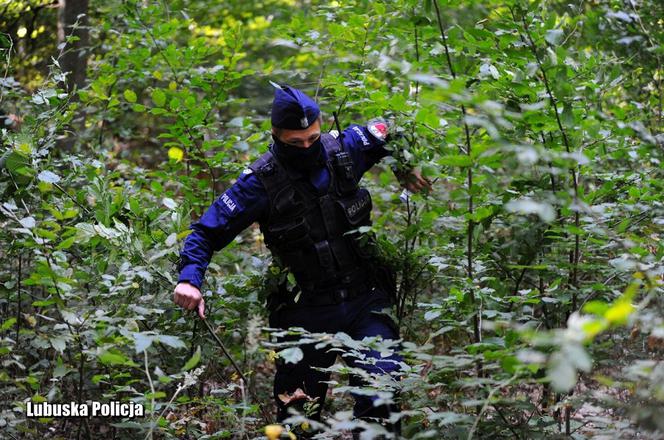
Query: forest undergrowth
[[529, 279]]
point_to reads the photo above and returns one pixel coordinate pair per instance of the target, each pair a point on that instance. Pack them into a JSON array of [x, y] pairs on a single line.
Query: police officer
[[304, 194]]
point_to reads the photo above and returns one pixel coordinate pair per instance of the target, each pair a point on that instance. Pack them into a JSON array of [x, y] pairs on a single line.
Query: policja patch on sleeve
[[378, 128], [229, 203]]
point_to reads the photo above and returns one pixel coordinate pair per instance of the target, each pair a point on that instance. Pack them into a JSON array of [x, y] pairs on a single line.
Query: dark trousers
[[358, 317]]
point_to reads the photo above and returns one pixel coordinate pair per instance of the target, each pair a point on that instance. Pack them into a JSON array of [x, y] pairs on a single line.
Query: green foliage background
[[530, 278]]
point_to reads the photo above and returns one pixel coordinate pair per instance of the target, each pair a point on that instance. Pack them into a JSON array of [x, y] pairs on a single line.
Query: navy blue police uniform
[[307, 202]]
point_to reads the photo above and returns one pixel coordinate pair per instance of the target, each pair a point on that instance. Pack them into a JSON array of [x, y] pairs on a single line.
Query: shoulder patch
[[229, 203], [363, 138], [378, 128]]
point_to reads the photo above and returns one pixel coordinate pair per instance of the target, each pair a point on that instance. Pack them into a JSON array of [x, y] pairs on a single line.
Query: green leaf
[[9, 323], [561, 373], [529, 206], [97, 378], [456, 160], [142, 341], [567, 116], [158, 97], [195, 359], [113, 357], [28, 222], [16, 160], [66, 244], [60, 369], [596, 307], [48, 177], [171, 341], [130, 95], [481, 213], [291, 355], [60, 344], [554, 36]]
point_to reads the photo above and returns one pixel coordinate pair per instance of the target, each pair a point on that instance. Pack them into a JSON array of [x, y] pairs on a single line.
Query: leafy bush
[[530, 278]]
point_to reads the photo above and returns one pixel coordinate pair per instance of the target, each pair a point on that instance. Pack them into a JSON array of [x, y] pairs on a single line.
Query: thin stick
[[477, 335], [147, 373], [266, 416], [575, 254], [18, 302], [223, 349]]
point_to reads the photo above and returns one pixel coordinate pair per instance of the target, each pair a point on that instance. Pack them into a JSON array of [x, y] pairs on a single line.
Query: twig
[[486, 404], [658, 76], [471, 223], [18, 303], [152, 393], [359, 69], [9, 56], [507, 422], [575, 254], [417, 58], [266, 416]]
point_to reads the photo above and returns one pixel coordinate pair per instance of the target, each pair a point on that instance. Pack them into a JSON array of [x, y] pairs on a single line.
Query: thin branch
[[575, 254], [471, 223], [487, 401], [152, 393], [359, 69]]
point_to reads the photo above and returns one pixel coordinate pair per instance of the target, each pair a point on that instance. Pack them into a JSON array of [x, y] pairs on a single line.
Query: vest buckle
[[341, 295]]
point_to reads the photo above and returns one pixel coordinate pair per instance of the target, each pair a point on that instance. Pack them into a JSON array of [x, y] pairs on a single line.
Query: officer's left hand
[[413, 181]]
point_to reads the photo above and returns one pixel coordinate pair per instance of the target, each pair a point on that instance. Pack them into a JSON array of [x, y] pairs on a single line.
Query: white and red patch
[[379, 129]]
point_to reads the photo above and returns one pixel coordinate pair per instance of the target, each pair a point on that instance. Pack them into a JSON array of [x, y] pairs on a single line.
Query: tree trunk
[[74, 57]]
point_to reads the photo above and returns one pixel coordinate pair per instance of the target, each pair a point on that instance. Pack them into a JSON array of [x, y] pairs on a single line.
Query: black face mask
[[302, 159]]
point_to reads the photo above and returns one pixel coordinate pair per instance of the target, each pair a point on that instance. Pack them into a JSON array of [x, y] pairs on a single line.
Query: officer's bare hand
[[413, 181], [189, 297]]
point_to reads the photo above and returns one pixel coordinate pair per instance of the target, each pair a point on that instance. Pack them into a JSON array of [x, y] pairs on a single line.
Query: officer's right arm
[[242, 204], [367, 146]]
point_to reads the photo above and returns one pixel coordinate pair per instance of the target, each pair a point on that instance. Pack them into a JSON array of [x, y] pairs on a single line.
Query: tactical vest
[[309, 233]]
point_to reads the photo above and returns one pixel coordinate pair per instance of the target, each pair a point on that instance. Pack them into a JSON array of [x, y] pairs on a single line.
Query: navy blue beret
[[292, 109]]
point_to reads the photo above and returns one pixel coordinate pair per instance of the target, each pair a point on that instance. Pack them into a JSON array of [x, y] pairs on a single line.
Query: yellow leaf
[[175, 153], [272, 355], [157, 74], [273, 431], [619, 312], [21, 32], [38, 399], [183, 234], [173, 85], [593, 328]]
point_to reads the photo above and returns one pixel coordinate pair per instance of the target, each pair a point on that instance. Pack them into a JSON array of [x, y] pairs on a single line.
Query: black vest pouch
[[290, 230], [288, 202], [290, 234], [356, 210]]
